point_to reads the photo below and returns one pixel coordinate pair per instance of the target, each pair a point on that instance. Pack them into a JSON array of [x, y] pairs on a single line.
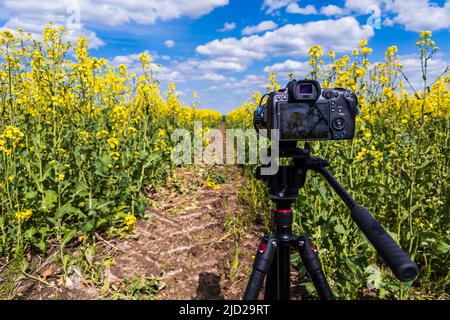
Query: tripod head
[[283, 189]]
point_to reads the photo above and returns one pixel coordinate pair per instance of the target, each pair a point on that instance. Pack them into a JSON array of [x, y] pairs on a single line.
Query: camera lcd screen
[[306, 89], [305, 121]]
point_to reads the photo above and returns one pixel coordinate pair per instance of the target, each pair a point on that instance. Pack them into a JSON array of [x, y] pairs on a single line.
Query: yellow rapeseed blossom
[[212, 184], [129, 222], [113, 143], [24, 215], [115, 155]]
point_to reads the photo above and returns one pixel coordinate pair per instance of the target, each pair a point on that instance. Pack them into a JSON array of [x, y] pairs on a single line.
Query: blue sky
[[225, 49]]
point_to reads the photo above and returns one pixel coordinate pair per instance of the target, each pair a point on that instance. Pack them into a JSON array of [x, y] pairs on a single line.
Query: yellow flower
[[392, 50], [24, 215], [361, 154], [366, 51], [101, 134], [212, 185], [129, 221], [115, 155], [425, 34], [113, 143], [13, 135], [132, 130], [332, 54]]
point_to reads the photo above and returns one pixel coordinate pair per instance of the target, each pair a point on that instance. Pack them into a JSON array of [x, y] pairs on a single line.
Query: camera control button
[[278, 98], [333, 109], [340, 110], [284, 98], [339, 124], [336, 94], [328, 94]]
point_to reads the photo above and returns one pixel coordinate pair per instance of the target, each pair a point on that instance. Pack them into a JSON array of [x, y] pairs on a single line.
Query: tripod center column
[[284, 219]]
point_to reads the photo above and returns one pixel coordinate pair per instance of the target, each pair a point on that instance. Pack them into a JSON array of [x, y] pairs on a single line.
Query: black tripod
[[273, 257]]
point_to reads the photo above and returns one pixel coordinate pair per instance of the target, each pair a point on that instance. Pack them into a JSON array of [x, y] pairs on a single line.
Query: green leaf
[[31, 195], [52, 221], [69, 236], [81, 189], [444, 247], [88, 226], [67, 208], [354, 268], [49, 200], [100, 222], [323, 193], [339, 229], [309, 286], [40, 244]]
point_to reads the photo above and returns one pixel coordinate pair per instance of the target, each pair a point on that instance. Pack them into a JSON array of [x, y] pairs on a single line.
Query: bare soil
[[190, 239], [184, 242]]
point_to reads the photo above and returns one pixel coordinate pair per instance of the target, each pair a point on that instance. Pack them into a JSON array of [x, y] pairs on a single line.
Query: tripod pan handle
[[399, 262]]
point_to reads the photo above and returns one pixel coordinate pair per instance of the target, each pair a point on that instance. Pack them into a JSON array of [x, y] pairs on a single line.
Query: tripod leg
[[284, 272], [278, 281], [271, 288], [312, 264], [263, 261]]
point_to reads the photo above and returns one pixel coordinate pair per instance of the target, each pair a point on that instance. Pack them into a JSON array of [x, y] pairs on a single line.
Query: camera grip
[[399, 262]]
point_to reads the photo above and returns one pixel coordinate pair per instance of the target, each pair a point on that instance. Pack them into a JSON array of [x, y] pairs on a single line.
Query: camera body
[[304, 112]]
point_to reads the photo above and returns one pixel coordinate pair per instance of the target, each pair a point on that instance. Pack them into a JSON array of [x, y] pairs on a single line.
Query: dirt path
[[192, 239], [187, 239]]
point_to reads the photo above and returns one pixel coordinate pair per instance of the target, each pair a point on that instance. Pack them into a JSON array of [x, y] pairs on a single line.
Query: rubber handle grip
[[399, 262]]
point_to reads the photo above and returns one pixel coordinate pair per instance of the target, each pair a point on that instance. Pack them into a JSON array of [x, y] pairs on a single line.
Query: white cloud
[[340, 35], [228, 26], [332, 10], [32, 15], [419, 15], [162, 73], [230, 47], [214, 77], [221, 65], [295, 8], [329, 10], [413, 70], [114, 12], [413, 15], [35, 26], [300, 69], [251, 81], [363, 6], [169, 44], [261, 27], [273, 5]]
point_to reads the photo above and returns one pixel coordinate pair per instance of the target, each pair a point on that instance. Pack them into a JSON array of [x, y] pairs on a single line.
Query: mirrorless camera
[[304, 112]]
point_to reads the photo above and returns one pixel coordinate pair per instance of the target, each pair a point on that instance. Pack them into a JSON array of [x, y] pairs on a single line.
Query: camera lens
[[339, 124]]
